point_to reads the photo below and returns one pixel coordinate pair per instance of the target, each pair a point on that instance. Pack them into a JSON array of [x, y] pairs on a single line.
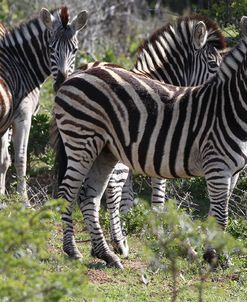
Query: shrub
[[172, 233], [28, 271]]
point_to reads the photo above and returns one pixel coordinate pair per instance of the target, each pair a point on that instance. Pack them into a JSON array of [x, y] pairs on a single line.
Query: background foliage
[[114, 32], [28, 272]]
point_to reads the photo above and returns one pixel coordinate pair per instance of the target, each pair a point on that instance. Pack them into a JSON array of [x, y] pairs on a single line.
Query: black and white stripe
[[28, 55], [107, 114], [183, 53]]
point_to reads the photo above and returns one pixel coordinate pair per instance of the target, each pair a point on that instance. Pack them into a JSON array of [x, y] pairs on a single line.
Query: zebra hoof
[[192, 254], [121, 248], [115, 264], [27, 205], [93, 253], [225, 261], [76, 256], [73, 254], [211, 257]]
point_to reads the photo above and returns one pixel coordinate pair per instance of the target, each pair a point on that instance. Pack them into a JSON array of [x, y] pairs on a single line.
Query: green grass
[[47, 274], [129, 285], [139, 283]]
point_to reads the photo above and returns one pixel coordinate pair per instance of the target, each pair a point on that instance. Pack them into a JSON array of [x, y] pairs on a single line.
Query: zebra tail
[[57, 145]]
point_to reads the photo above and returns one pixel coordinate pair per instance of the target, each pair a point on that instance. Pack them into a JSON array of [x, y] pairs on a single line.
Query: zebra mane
[[214, 34], [9, 37], [86, 66], [64, 16], [234, 61], [182, 29], [61, 14]]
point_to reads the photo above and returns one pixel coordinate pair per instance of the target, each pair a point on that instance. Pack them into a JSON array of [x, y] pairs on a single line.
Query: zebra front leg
[[219, 190], [158, 193], [90, 198], [20, 136], [118, 182], [5, 161]]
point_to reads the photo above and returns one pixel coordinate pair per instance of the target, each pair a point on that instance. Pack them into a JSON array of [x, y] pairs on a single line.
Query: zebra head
[[206, 56], [63, 42], [185, 53]]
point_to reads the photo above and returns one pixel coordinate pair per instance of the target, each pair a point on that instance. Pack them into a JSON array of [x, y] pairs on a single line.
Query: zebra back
[[173, 52], [3, 30]]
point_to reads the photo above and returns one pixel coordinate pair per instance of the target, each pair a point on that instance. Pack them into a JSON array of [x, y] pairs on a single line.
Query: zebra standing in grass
[[176, 132], [204, 46], [191, 41], [28, 55]]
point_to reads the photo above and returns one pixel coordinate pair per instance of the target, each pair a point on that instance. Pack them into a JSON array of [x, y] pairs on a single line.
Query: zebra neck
[[229, 86], [232, 92], [24, 59], [161, 69]]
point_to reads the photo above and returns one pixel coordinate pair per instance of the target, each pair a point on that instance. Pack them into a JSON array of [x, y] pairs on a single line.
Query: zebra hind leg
[[69, 243], [72, 180], [219, 190], [89, 199], [114, 193]]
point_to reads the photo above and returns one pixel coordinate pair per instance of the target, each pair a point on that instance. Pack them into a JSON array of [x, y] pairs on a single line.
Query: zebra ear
[[243, 25], [79, 21], [200, 35], [46, 18]]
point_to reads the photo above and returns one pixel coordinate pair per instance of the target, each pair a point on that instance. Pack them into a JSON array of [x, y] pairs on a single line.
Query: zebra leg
[[114, 193], [5, 161], [77, 168], [90, 198], [219, 190], [69, 243], [127, 200], [158, 193], [20, 136]]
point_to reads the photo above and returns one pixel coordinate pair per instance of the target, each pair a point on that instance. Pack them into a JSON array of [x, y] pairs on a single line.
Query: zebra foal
[[28, 55]]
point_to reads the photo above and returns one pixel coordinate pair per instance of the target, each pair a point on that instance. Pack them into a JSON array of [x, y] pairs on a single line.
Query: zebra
[[44, 45], [176, 132], [154, 61], [105, 89]]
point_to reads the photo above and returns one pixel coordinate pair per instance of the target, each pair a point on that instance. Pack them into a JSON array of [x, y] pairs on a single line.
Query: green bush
[[25, 254], [135, 220], [39, 152], [171, 235]]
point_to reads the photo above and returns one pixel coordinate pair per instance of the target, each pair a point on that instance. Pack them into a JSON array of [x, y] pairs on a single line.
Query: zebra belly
[[165, 169]]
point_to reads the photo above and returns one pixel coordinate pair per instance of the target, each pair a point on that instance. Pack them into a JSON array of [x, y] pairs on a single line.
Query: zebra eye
[[213, 64], [74, 50]]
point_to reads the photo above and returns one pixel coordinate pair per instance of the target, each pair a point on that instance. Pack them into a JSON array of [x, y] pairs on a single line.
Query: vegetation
[[33, 267], [32, 264], [29, 271]]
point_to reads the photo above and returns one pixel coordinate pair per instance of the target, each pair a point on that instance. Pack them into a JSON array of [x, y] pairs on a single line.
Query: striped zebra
[[154, 60], [105, 114], [28, 55]]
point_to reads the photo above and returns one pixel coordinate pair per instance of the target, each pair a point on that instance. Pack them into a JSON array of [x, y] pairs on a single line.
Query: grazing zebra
[[108, 114], [28, 55], [192, 41]]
